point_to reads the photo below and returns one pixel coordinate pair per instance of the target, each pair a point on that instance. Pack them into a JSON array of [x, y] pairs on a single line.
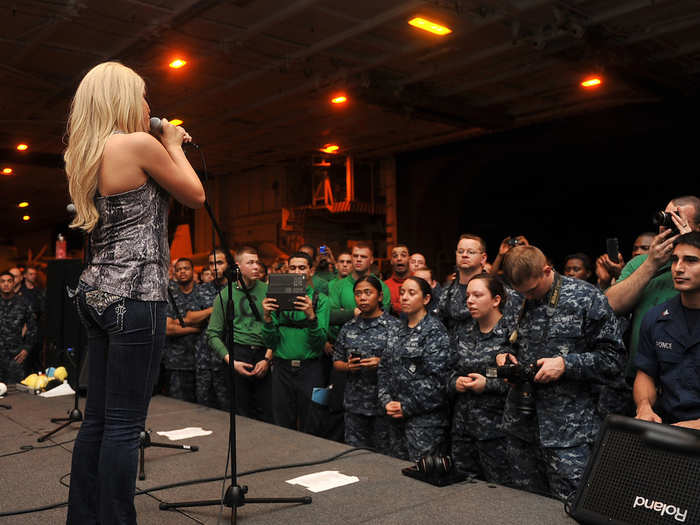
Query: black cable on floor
[[28, 448], [189, 482]]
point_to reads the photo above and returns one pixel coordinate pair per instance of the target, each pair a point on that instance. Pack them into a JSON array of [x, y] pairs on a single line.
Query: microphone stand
[[75, 415], [235, 495], [145, 442]]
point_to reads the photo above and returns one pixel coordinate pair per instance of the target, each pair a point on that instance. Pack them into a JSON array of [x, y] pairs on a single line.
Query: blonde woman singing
[[120, 179]]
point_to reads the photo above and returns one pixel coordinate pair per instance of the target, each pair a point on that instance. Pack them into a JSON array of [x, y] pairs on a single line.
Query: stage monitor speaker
[[641, 473], [63, 325]]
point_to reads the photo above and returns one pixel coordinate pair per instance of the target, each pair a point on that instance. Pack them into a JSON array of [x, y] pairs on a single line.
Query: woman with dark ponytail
[[359, 349], [412, 378], [478, 442]]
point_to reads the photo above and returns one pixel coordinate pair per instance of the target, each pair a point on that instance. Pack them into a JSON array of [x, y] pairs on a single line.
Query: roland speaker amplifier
[[641, 473]]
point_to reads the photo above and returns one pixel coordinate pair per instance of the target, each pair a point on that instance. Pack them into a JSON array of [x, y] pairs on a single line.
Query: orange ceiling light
[[330, 148], [177, 63], [429, 26], [22, 147], [23, 204], [176, 122], [592, 82], [7, 171], [25, 218], [340, 99]]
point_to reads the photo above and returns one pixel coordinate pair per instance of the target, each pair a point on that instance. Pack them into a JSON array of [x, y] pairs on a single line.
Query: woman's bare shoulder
[[136, 141]]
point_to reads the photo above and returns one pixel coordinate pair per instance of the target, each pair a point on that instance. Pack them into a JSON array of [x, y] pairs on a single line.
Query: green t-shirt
[[320, 284], [291, 342], [658, 290], [326, 276], [247, 330]]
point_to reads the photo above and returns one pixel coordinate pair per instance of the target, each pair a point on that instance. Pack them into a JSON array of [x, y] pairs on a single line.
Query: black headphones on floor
[[434, 465]]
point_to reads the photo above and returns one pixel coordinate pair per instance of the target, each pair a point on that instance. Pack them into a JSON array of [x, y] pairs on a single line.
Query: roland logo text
[[662, 508]]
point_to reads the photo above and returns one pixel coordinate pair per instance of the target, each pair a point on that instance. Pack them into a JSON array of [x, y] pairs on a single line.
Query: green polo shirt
[[247, 330], [320, 284], [291, 342]]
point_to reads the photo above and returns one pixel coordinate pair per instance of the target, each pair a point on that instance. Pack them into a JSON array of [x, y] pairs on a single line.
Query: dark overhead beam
[[183, 13], [588, 23], [346, 74], [530, 67], [423, 104], [429, 72], [279, 16], [639, 37], [318, 47], [70, 10], [585, 22]]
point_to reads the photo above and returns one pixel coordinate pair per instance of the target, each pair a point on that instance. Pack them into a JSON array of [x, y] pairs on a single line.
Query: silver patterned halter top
[[129, 254]]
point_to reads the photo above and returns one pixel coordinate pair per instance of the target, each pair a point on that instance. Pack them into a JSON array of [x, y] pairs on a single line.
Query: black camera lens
[[525, 398], [521, 378], [665, 219], [661, 218]]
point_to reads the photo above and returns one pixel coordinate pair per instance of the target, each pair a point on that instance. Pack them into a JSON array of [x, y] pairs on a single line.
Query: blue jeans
[[125, 340]]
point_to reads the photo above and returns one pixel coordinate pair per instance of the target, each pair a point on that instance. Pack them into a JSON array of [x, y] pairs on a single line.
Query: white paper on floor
[[184, 433], [61, 390], [326, 480]]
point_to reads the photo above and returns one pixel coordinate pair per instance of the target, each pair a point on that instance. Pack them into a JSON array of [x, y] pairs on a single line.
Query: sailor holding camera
[[568, 331]]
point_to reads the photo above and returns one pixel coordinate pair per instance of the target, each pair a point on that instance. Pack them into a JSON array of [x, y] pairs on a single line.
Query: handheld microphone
[[70, 208], [156, 130], [156, 126]]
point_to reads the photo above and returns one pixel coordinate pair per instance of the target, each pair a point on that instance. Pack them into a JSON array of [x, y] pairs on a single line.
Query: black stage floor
[[383, 495]]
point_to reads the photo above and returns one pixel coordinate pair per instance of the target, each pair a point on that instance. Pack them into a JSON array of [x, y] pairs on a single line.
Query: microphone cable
[[193, 481], [28, 448]]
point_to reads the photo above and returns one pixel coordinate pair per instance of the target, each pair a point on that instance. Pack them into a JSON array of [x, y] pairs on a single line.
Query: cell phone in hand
[[355, 355], [612, 248]]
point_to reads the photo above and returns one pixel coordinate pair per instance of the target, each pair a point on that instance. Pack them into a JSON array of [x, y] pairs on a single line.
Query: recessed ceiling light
[[340, 99], [177, 63], [592, 82], [22, 147], [429, 26], [25, 218], [176, 122], [7, 171], [330, 148], [23, 204]]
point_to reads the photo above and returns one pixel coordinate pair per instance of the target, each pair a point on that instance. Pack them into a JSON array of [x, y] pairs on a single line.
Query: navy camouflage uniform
[[178, 354], [15, 312], [365, 419], [414, 372], [36, 297], [549, 450], [478, 441], [669, 353], [452, 305], [213, 385], [453, 312]]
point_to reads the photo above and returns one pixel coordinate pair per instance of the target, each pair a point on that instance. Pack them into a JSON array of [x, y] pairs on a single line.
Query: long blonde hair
[[109, 98]]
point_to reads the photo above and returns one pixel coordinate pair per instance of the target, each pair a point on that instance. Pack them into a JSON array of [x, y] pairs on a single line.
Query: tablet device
[[285, 288]]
